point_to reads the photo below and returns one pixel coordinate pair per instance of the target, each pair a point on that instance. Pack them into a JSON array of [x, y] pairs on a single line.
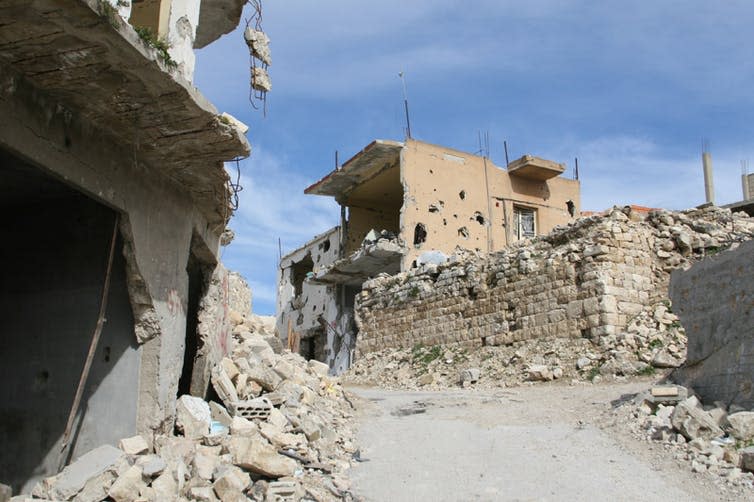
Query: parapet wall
[[587, 279]]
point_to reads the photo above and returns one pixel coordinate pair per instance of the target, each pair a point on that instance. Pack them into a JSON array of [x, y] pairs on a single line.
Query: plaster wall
[[158, 220], [49, 301], [303, 310], [714, 301], [465, 200], [362, 220]]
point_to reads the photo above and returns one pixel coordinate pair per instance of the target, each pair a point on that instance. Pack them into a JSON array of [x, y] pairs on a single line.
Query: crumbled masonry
[[594, 281], [712, 438], [300, 447]]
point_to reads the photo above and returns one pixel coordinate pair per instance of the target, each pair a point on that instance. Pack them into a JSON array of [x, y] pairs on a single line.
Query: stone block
[[256, 455], [742, 425], [693, 422], [135, 445], [128, 486], [193, 416], [74, 477], [747, 458]]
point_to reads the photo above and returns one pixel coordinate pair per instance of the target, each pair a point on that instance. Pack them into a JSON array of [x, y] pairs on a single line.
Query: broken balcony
[[535, 168], [379, 253]]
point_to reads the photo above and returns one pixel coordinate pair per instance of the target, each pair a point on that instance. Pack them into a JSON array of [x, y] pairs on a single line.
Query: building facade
[[106, 144], [408, 203]]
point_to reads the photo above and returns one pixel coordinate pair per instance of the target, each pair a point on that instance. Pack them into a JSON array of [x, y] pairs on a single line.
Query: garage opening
[[56, 243]]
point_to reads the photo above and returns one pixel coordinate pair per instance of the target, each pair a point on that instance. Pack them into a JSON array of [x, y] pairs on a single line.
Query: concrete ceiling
[[95, 65]]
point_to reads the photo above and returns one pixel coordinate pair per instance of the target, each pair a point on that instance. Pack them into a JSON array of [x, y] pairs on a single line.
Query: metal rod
[[576, 172], [405, 105], [93, 344], [505, 146]]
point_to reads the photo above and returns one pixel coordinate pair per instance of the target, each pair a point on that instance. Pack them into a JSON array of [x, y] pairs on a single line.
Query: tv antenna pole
[[405, 104]]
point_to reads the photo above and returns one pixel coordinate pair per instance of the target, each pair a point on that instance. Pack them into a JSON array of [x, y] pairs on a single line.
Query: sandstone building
[[404, 204], [104, 138]]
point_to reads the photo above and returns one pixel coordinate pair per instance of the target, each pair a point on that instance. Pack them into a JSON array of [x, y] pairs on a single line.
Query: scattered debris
[[283, 431]]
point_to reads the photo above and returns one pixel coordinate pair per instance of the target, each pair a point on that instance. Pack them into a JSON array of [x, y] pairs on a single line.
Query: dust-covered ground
[[533, 442]]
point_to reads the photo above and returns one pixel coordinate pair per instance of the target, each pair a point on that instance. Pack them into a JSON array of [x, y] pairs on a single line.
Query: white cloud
[[621, 170], [273, 206]]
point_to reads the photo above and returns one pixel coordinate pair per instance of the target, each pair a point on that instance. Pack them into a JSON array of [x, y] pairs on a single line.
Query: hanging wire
[[256, 96], [235, 187]]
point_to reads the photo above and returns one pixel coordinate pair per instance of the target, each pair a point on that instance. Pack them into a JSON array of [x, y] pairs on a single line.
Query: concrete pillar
[[709, 186], [745, 186]]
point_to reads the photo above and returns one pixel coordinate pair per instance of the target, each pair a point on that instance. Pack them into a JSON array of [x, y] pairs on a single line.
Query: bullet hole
[[414, 264], [107, 354], [455, 216], [479, 218], [462, 194], [435, 208], [431, 171], [571, 208], [325, 246], [420, 234], [445, 222], [463, 232]]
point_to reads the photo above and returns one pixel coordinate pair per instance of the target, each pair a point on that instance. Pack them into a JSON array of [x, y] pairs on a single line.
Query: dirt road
[[543, 443]]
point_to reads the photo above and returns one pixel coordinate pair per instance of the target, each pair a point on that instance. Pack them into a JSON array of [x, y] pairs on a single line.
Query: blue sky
[[629, 87]]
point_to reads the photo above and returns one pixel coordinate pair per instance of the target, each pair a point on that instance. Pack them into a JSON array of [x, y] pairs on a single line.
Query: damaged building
[[404, 204], [115, 196]]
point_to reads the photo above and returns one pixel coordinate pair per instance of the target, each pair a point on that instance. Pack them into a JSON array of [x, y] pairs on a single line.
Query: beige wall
[[435, 175], [362, 220]]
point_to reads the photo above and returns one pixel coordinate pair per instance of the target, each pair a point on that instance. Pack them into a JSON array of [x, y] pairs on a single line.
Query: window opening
[[525, 221]]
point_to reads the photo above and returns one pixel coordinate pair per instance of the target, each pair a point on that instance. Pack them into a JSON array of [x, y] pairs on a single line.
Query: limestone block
[[151, 465], [742, 425], [128, 486], [193, 416], [134, 445], [693, 422], [259, 456], [231, 484]]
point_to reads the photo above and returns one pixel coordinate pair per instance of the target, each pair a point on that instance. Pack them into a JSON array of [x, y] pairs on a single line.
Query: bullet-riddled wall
[[454, 199]]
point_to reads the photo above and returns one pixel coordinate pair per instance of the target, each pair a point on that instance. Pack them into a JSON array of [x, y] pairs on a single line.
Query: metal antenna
[[405, 104]]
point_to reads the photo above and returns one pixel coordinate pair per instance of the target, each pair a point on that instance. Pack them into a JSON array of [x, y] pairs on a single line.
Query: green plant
[[646, 371], [655, 344], [593, 372], [414, 292], [107, 10], [424, 356], [151, 39]]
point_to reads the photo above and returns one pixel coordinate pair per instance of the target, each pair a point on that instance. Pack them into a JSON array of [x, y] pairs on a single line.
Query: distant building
[[403, 204], [104, 139], [746, 204]]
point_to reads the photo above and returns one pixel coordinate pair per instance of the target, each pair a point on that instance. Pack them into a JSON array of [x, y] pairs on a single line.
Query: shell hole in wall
[[463, 232], [571, 208], [462, 194], [420, 234], [326, 246], [479, 218]]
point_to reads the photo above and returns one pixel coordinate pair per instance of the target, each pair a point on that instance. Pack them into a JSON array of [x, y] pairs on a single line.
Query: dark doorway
[[56, 243]]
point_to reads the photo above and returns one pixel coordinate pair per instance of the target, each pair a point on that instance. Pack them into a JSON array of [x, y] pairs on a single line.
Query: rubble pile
[[713, 439], [587, 301], [282, 432], [653, 341]]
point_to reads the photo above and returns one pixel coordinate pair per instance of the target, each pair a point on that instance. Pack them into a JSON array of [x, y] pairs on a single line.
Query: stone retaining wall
[[584, 280]]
